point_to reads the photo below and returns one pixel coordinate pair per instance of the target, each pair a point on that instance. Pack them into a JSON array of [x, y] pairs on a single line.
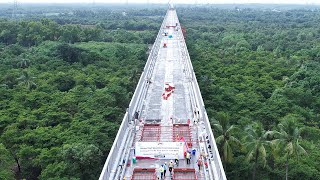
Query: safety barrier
[[184, 174], [151, 133], [119, 147], [182, 130], [217, 168], [144, 174], [158, 133], [112, 168]]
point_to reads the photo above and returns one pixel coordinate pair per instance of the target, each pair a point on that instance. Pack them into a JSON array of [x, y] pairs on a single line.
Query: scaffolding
[[182, 130], [184, 174], [144, 174]]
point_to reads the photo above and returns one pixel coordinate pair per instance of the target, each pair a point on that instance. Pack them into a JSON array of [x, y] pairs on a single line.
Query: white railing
[[111, 166], [122, 141], [109, 169], [217, 168]]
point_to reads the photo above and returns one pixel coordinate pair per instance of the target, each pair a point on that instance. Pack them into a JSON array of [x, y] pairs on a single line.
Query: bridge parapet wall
[[216, 165], [115, 157]]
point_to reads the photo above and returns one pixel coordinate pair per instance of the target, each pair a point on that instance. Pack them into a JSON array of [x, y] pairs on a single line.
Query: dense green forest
[[67, 76], [66, 81], [258, 72]]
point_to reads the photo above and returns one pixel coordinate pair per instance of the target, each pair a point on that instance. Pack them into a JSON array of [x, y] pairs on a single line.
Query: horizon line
[[266, 3]]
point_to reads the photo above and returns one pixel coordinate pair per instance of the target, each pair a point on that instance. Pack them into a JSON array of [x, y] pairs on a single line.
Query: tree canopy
[[67, 74], [260, 65]]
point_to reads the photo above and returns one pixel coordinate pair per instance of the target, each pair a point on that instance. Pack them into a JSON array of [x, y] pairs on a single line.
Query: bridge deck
[[177, 109], [166, 117]]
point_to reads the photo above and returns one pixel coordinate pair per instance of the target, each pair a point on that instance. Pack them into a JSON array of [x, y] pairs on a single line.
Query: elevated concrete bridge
[[166, 118]]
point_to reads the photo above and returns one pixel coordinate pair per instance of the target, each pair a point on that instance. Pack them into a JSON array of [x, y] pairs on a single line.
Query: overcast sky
[[166, 1]]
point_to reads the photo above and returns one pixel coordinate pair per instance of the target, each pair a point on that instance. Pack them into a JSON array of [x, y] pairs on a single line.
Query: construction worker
[[136, 115], [199, 162], [204, 155], [171, 166], [165, 167], [188, 156], [176, 160], [197, 114], [161, 170]]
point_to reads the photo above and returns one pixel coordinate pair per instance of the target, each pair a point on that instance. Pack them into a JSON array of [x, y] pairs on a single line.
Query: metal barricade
[[144, 174], [182, 131], [151, 133], [184, 174]]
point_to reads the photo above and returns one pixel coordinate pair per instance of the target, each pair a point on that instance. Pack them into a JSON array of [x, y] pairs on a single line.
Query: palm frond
[[289, 148], [231, 128], [219, 139], [249, 155], [263, 154], [218, 128]]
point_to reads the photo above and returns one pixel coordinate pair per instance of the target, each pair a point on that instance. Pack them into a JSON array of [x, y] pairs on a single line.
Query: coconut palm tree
[[24, 63], [27, 80], [287, 140], [225, 137], [255, 145]]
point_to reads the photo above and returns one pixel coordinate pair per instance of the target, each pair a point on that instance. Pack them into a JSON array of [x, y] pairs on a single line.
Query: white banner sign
[[160, 150]]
